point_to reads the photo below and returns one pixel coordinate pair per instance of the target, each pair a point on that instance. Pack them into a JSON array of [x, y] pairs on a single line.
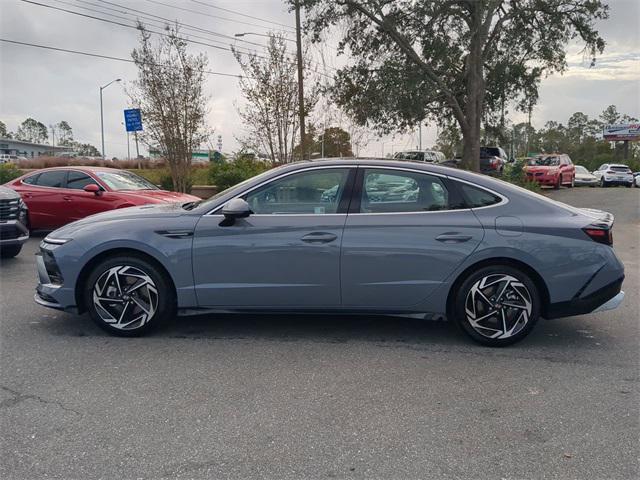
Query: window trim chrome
[[503, 200]]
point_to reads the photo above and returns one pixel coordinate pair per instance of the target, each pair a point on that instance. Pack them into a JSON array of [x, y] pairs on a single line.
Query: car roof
[[82, 168]]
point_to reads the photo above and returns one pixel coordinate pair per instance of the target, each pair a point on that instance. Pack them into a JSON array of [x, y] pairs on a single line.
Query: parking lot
[[322, 396]]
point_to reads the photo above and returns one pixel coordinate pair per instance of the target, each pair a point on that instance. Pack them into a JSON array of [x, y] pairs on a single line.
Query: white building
[[11, 146]]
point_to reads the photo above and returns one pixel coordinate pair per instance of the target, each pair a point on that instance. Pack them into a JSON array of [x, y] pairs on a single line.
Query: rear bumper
[[606, 298]]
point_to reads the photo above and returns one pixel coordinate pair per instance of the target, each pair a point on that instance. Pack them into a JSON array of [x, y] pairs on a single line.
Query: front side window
[[386, 191], [52, 179], [79, 180], [315, 192], [32, 180]]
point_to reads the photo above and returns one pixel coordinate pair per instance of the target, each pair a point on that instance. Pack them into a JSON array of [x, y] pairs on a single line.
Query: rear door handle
[[319, 237], [453, 238]]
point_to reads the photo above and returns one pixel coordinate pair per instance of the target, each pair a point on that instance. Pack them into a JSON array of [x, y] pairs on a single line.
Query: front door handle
[[453, 238], [66, 197], [319, 237]]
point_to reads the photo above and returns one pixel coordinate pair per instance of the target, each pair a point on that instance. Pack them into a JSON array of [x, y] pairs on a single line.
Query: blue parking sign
[[133, 120]]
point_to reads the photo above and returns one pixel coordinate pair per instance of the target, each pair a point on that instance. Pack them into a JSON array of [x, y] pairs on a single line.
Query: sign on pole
[[133, 120], [624, 132]]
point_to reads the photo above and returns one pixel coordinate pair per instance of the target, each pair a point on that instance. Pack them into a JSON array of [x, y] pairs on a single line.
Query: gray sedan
[[347, 236]]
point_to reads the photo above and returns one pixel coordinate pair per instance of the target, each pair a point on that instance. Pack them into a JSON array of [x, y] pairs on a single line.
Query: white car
[[636, 176], [584, 177], [614, 174], [430, 156], [6, 158]]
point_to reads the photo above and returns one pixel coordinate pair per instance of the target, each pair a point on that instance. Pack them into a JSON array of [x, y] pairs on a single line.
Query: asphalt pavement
[[317, 397]]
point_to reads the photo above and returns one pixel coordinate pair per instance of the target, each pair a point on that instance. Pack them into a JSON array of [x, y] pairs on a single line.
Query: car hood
[[160, 195], [8, 194], [159, 210], [586, 176]]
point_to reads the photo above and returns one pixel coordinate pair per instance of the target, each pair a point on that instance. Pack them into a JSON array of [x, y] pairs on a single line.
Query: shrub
[[225, 175], [8, 172], [514, 173]]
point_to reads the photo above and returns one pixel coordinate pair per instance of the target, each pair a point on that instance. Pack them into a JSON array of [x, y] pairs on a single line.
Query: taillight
[[610, 172], [600, 235]]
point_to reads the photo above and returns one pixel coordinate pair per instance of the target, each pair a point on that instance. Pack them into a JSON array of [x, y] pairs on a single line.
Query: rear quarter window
[[477, 197]]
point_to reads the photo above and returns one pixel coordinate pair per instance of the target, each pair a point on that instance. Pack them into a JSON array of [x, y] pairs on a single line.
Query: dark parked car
[[14, 230], [57, 196], [493, 160], [350, 236]]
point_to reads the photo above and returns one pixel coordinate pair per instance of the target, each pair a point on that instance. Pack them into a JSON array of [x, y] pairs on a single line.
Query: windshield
[[544, 161], [489, 152], [124, 180], [580, 169]]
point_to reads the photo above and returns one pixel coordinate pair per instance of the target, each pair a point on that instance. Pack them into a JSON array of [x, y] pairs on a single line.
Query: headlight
[[56, 241]]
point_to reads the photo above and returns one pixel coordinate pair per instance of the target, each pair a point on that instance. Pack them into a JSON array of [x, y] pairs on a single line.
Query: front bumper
[[13, 232], [580, 183], [543, 179], [51, 291], [606, 298]]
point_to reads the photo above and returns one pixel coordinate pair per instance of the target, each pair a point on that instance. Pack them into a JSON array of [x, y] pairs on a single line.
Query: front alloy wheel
[[497, 306], [127, 296]]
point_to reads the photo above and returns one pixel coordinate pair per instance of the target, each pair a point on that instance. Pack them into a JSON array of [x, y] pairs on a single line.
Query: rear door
[[405, 234], [43, 194]]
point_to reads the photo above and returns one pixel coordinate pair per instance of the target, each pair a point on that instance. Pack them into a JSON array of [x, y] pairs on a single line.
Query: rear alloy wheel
[[128, 296], [497, 306]]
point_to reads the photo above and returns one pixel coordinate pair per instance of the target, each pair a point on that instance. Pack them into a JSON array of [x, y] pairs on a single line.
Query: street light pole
[[101, 114], [300, 80]]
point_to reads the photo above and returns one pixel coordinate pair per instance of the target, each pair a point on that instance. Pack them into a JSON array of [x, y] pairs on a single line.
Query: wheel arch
[[511, 262], [90, 265]]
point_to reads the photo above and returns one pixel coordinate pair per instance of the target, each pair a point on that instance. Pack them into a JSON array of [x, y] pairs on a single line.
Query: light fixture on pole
[[101, 114]]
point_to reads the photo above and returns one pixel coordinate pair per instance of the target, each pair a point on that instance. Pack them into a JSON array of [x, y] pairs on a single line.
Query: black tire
[[572, 183], [519, 321], [10, 251], [558, 183], [160, 306], [603, 184]]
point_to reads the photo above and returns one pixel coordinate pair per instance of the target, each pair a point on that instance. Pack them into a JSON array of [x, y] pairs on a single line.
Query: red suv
[[57, 196], [554, 169]]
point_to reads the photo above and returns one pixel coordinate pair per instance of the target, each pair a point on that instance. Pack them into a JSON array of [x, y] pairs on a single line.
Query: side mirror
[[92, 188], [233, 209]]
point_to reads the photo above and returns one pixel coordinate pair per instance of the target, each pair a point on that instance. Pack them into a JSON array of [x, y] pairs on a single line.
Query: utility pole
[[300, 81], [102, 116], [420, 136], [53, 136]]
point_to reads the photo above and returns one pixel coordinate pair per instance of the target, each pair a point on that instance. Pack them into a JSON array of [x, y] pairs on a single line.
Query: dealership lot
[[321, 396]]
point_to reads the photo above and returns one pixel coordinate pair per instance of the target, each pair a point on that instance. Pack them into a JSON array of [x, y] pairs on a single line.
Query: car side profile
[[348, 236], [493, 160], [60, 195]]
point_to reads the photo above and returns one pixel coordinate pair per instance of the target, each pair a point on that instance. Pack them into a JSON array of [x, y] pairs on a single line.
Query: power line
[[212, 16], [107, 57], [242, 14], [151, 31]]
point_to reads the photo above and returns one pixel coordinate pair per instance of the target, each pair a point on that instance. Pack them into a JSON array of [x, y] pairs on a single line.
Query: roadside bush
[[514, 173], [8, 171], [225, 175]]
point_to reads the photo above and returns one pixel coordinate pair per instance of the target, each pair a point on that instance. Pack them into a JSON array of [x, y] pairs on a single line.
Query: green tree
[[417, 59], [337, 143], [32, 131], [228, 174], [610, 115], [86, 149], [3, 130]]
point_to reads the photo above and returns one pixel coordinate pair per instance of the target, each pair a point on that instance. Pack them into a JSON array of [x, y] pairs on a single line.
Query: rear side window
[[52, 179], [79, 180], [477, 197], [388, 191]]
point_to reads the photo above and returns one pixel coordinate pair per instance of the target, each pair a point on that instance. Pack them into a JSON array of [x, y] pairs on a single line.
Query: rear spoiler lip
[[600, 219]]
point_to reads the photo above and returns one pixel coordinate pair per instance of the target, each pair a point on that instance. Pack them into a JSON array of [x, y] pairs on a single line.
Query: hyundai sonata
[[348, 236]]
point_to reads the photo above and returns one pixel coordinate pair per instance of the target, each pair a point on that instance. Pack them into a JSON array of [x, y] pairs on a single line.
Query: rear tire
[[573, 182], [558, 183], [129, 296], [603, 184], [497, 305], [10, 251]]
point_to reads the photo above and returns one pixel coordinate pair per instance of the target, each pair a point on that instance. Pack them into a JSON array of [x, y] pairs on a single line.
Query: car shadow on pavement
[[319, 328]]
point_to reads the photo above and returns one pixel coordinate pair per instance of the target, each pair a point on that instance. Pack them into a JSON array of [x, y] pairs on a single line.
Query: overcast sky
[[51, 86]]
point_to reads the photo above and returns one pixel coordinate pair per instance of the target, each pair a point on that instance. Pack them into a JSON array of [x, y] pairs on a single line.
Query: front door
[[286, 253], [404, 235]]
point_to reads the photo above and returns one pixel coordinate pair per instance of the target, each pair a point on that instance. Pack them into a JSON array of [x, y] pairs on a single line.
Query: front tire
[[603, 184], [558, 183], [10, 251], [497, 306], [129, 296]]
